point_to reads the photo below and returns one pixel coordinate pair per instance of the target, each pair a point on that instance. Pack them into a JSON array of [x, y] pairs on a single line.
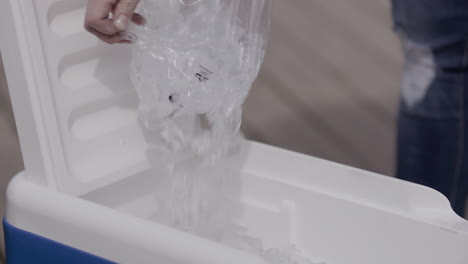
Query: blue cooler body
[[23, 247]]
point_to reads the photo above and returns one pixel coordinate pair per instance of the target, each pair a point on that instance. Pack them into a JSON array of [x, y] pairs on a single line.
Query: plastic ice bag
[[197, 58]]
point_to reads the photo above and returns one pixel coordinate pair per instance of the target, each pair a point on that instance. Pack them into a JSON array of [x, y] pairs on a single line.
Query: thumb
[[123, 12]]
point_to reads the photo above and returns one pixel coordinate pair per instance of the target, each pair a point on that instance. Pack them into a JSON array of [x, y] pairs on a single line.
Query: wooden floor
[[10, 156], [328, 88], [330, 83]]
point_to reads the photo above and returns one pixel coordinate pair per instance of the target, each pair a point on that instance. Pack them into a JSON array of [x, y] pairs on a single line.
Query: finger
[[123, 12], [105, 26], [138, 19], [97, 14], [110, 39]]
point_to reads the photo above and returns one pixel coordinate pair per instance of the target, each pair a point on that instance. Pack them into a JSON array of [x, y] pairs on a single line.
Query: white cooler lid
[[73, 102]]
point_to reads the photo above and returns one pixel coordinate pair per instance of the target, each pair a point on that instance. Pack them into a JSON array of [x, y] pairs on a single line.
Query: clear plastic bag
[[197, 58]]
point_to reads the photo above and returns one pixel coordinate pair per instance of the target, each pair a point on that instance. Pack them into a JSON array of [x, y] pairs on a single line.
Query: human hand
[[107, 28]]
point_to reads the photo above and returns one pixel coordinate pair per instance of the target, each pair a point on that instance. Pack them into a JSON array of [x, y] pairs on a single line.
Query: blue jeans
[[433, 116]]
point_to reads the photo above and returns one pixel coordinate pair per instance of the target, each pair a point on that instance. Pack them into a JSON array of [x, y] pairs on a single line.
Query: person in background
[[98, 22], [433, 116]]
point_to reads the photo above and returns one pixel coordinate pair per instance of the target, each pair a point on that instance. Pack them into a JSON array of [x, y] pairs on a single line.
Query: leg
[[432, 128], [459, 192]]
